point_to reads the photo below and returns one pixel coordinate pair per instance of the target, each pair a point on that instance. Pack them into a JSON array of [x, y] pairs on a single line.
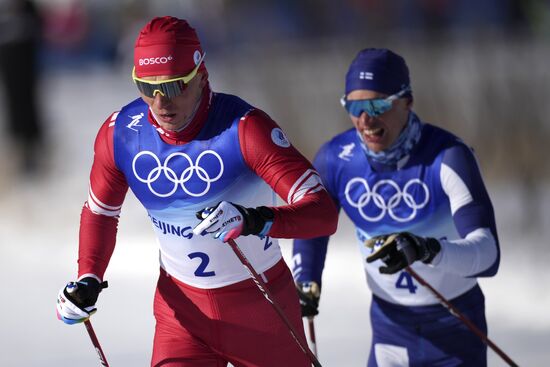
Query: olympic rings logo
[[171, 176], [386, 205]]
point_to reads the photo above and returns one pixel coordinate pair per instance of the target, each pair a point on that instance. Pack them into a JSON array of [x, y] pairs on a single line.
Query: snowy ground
[[38, 246]]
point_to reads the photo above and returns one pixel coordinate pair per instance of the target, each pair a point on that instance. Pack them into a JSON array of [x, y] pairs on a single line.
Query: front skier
[[184, 149]]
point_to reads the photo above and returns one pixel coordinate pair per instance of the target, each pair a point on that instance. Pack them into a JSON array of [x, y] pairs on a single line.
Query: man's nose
[[365, 119], [160, 100]]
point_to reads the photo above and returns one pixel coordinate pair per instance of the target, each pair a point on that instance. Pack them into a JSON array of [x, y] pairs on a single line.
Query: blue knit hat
[[379, 70]]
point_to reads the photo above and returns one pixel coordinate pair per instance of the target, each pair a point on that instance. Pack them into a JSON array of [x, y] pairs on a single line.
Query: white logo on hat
[[155, 60], [197, 57], [365, 75]]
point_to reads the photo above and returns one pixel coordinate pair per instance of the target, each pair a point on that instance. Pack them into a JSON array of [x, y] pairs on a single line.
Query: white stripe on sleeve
[[98, 207], [308, 183], [113, 119], [455, 188]]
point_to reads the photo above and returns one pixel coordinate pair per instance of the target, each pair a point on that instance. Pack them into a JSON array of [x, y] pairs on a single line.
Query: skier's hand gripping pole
[[309, 294]]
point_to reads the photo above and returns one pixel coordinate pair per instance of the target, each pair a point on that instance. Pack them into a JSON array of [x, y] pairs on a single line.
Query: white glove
[[76, 301], [228, 221]]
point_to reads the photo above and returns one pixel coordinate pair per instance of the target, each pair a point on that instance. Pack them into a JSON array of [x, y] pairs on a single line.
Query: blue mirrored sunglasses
[[373, 107]]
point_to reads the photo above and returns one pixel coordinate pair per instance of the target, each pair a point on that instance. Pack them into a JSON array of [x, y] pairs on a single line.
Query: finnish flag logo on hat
[[366, 75]]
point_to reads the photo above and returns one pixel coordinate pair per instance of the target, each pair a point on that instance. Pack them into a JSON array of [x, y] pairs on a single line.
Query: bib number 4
[[405, 281]]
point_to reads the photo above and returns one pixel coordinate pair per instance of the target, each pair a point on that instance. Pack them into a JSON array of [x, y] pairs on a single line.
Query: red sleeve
[[310, 211], [99, 218]]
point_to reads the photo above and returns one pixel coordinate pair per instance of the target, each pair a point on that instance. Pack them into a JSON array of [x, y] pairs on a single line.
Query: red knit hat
[[166, 46]]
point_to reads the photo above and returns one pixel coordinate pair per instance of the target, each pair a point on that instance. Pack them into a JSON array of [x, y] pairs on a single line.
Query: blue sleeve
[[479, 212], [309, 254], [309, 259], [324, 164]]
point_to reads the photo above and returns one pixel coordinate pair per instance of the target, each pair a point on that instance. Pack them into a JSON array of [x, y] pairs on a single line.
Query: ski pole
[[312, 339], [455, 312], [96, 344], [267, 294]]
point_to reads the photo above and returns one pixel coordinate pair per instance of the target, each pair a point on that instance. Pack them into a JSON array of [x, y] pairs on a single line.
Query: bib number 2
[[201, 269], [405, 281], [205, 260]]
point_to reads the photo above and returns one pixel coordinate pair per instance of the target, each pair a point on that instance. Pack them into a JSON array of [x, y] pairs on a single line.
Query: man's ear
[[203, 79]]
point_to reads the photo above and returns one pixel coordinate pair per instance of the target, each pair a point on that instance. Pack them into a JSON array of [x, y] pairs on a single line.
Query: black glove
[[309, 294], [399, 250], [255, 219], [84, 293]]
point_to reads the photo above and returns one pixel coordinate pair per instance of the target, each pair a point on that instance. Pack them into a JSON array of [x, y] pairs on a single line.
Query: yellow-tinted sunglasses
[[169, 88]]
